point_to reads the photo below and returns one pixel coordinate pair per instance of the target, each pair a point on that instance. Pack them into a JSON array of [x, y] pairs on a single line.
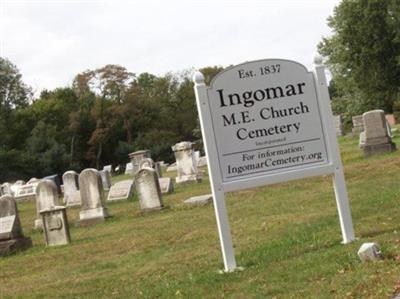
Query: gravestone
[[121, 190], [55, 226], [56, 180], [376, 137], [108, 168], [358, 124], [72, 195], [6, 189], [200, 200], [47, 197], [186, 164], [148, 190], [129, 168], [93, 210], [11, 236], [166, 185], [105, 179], [338, 122], [26, 191], [136, 157]]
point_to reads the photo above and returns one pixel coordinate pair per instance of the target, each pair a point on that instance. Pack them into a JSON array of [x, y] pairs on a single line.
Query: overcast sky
[[51, 41]]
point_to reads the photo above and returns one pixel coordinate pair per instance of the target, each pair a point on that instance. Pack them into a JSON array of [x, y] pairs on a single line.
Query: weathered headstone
[[56, 180], [196, 157], [6, 189], [186, 164], [136, 157], [358, 124], [166, 185], [200, 200], [105, 179], [11, 236], [376, 138], [121, 190], [338, 122], [47, 197], [148, 189], [26, 191], [93, 210], [72, 195], [108, 168], [55, 226], [129, 168]]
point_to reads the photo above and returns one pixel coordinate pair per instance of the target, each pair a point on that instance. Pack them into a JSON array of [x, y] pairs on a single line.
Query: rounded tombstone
[[8, 207], [148, 189], [90, 185], [46, 195]]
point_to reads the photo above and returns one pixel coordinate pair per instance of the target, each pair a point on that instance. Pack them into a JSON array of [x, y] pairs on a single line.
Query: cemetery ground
[[286, 236]]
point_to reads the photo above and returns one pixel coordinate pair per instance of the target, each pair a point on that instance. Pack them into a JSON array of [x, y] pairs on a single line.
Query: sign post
[[265, 122]]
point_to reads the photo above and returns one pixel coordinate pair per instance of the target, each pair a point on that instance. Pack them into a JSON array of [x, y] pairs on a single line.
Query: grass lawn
[[286, 236]]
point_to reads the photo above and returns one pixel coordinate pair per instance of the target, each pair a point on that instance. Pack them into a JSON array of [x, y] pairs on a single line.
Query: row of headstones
[[374, 131], [187, 162]]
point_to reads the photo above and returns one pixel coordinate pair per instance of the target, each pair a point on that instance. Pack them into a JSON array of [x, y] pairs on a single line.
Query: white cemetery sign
[[265, 122]]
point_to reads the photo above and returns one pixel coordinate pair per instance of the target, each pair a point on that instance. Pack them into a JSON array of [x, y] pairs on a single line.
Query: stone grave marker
[[26, 191], [55, 226], [72, 195], [46, 197], [338, 122], [105, 179], [148, 189], [6, 189], [56, 180], [200, 200], [186, 164], [358, 124], [93, 210], [11, 236], [376, 138], [202, 161], [136, 157], [108, 168], [166, 185], [121, 190], [129, 168]]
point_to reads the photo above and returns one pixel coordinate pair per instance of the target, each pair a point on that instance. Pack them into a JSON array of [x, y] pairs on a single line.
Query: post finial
[[317, 59], [198, 78]]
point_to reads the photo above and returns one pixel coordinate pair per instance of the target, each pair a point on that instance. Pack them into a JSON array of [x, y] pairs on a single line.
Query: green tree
[[363, 53]]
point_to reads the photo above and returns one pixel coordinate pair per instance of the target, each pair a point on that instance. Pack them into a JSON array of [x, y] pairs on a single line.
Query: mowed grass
[[286, 236]]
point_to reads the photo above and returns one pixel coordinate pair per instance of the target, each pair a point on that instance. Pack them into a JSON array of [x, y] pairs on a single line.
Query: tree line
[[104, 115], [108, 112]]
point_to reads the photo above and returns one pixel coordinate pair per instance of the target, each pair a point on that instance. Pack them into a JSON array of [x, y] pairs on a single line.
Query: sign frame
[[218, 187]]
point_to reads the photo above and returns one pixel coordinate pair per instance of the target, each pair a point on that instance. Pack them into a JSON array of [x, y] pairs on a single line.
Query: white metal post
[[214, 173], [342, 202]]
